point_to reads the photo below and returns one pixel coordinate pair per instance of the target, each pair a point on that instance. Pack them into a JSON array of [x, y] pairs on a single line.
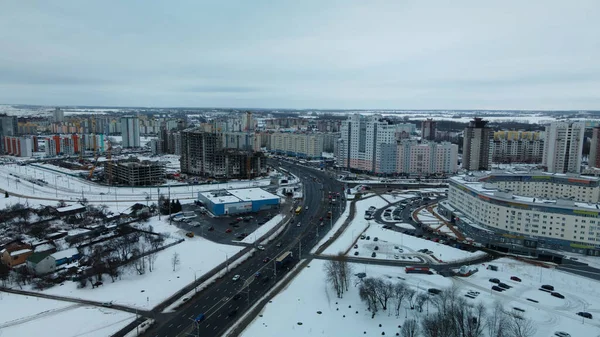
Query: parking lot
[[224, 229]]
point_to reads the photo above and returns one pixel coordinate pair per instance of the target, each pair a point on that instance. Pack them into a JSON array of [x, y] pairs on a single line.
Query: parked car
[[496, 288], [355, 253], [375, 239], [561, 334], [355, 246], [547, 287], [514, 278], [434, 291], [504, 285], [558, 295], [373, 255], [189, 234], [396, 256], [585, 314], [376, 247], [495, 280]]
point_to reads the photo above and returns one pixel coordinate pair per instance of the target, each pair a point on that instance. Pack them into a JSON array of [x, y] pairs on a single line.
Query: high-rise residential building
[[594, 158], [9, 127], [58, 115], [477, 148], [518, 147], [20, 146], [426, 158], [428, 129], [563, 145], [304, 145], [130, 131], [362, 143]]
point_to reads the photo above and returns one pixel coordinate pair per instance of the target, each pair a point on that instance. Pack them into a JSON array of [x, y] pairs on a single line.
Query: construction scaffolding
[[133, 172]]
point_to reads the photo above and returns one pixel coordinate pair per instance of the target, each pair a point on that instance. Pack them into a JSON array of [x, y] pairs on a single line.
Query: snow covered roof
[[65, 253], [44, 247], [252, 194], [20, 252], [70, 208]]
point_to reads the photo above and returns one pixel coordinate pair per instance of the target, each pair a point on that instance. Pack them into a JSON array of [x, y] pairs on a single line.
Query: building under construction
[[133, 172], [204, 154]]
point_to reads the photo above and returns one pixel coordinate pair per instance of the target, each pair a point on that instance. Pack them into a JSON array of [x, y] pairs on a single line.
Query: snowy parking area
[[387, 240], [32, 316]]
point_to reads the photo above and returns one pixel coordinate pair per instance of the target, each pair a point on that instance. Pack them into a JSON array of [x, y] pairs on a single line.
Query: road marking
[[171, 325], [219, 315], [230, 306], [215, 328], [179, 326], [196, 306], [183, 315]]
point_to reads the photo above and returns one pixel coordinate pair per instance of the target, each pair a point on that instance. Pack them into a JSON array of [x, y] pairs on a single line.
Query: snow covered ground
[[197, 256], [309, 307], [262, 230], [357, 226], [62, 186], [32, 316], [388, 240]]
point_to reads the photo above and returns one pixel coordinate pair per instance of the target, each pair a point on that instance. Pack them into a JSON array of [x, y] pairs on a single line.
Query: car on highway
[[228, 230], [235, 278], [306, 207], [266, 259], [237, 296], [232, 313], [279, 244], [261, 247], [298, 224]]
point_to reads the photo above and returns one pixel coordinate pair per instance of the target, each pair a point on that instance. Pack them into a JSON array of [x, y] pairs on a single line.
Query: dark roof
[[37, 257]]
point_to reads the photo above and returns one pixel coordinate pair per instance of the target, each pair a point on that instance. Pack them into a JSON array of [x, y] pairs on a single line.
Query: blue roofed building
[[246, 200]]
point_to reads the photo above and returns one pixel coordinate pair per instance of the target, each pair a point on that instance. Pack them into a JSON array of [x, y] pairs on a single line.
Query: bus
[[299, 209], [418, 270], [283, 258]]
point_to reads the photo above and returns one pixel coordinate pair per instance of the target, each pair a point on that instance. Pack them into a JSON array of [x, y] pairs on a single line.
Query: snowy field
[[357, 226], [263, 229], [388, 240], [31, 316], [296, 309], [61, 186], [197, 256]]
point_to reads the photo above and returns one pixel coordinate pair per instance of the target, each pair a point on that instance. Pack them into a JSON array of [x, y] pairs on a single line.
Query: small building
[[70, 210], [245, 200], [66, 256], [41, 263], [15, 254]]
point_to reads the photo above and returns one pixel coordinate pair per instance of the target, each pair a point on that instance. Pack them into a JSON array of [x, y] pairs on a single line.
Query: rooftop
[[70, 208], [65, 253], [238, 195]]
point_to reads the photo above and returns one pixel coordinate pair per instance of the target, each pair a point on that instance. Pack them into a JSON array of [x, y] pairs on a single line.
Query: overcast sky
[[346, 54]]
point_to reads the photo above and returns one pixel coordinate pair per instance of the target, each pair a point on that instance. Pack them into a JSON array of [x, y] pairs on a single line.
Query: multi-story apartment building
[[477, 146], [304, 145], [428, 129], [363, 142], [563, 147], [58, 115], [594, 158], [425, 158], [527, 213], [20, 146], [8, 127], [130, 131], [518, 147]]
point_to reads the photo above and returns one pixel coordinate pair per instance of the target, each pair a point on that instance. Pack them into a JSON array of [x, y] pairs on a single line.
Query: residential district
[[220, 222]]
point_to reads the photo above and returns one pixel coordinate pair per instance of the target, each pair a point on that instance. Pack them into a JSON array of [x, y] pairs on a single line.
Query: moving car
[[228, 230], [266, 259], [261, 247], [235, 278]]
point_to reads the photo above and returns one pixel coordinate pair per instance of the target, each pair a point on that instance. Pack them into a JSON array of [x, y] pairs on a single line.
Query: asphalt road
[[219, 302]]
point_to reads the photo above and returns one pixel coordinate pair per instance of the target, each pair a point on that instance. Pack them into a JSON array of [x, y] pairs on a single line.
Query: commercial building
[[20, 146], [594, 158], [304, 145], [518, 147], [534, 213], [133, 172], [426, 158], [428, 129], [477, 140], [204, 154], [563, 147], [246, 200], [363, 143], [130, 131]]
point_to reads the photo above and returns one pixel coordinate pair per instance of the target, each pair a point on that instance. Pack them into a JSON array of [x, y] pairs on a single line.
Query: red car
[[514, 278], [228, 230], [266, 259]]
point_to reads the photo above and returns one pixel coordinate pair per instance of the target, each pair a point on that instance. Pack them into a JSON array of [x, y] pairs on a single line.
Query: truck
[[283, 258]]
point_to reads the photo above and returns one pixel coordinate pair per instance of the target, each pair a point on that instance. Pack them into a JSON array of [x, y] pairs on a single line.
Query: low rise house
[[15, 254], [41, 263], [70, 210], [66, 256]]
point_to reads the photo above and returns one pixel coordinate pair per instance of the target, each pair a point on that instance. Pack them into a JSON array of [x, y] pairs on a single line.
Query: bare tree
[[410, 328], [521, 327], [175, 261], [497, 322], [435, 326], [151, 260], [410, 297], [368, 293], [333, 276], [344, 271], [139, 261], [420, 301], [399, 293], [384, 290]]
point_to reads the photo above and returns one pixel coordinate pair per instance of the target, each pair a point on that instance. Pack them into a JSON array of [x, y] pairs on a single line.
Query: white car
[[235, 278], [261, 247], [396, 256], [298, 225]]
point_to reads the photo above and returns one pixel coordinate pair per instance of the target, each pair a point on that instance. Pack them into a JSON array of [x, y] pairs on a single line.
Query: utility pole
[[170, 218]]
